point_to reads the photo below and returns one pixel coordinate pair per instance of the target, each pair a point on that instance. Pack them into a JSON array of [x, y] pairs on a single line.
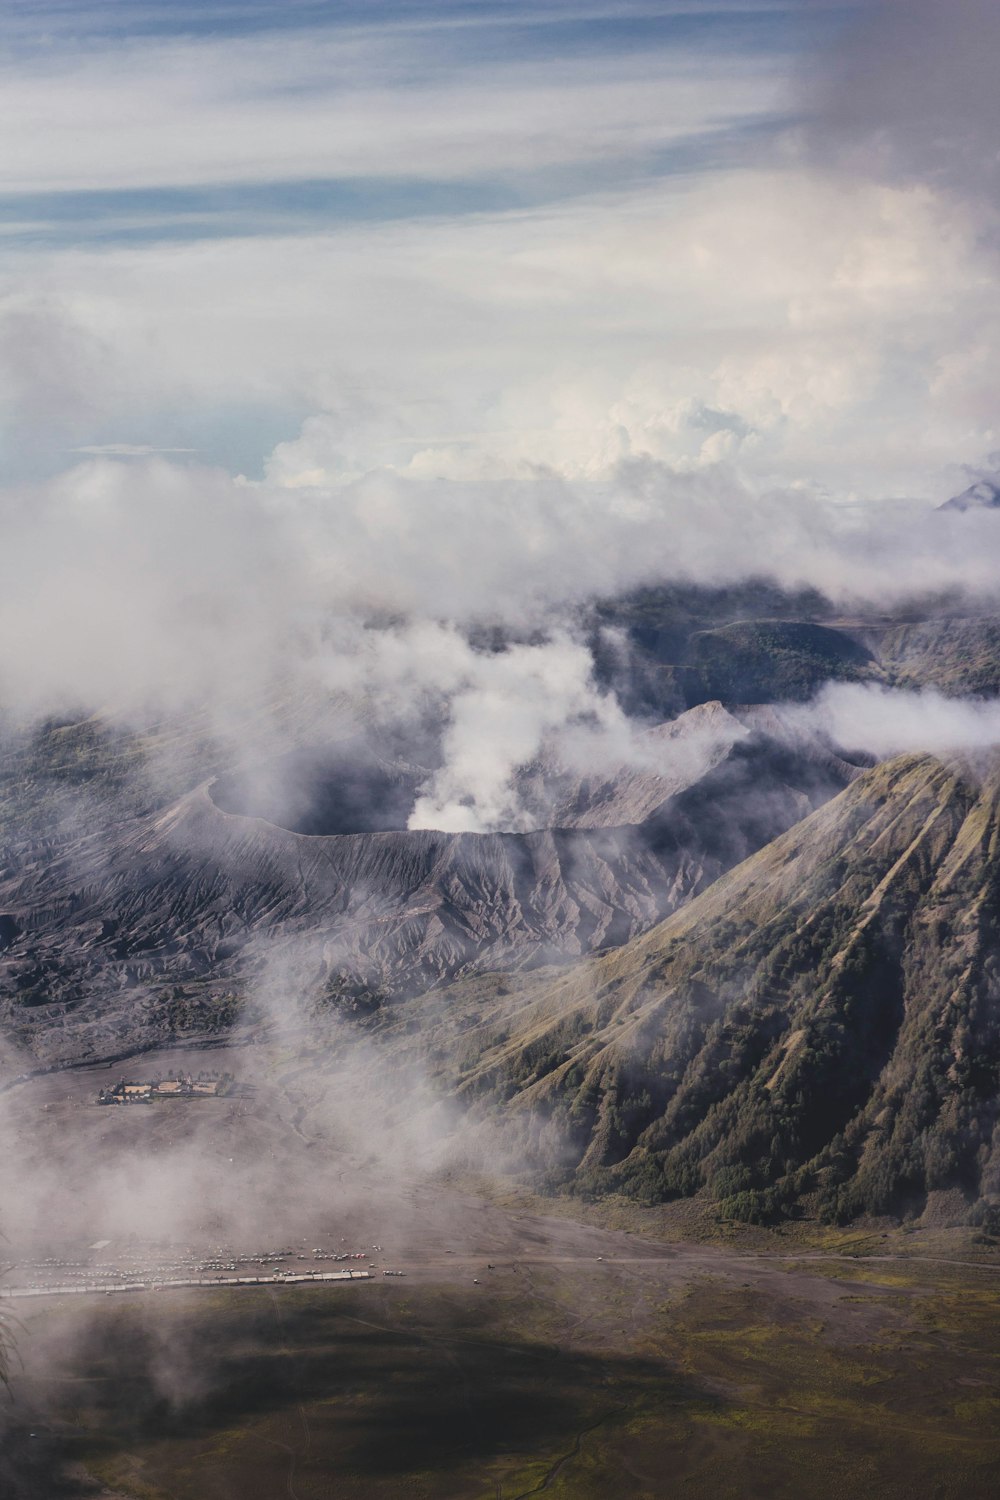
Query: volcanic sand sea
[[521, 1351]]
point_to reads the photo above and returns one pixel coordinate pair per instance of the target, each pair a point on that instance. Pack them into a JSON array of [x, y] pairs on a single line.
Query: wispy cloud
[[463, 243], [316, 107], [126, 450]]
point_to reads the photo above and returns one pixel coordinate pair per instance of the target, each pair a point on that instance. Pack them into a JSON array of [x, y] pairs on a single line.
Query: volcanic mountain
[[120, 933], [740, 964], [818, 1030]]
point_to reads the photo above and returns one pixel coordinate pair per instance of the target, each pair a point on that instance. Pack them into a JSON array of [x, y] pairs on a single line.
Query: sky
[[457, 239], [444, 314]]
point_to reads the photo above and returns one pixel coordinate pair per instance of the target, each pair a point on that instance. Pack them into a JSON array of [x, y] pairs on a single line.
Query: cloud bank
[[739, 298]]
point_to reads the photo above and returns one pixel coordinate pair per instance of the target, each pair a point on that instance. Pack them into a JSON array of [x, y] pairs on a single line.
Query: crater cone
[[322, 792]]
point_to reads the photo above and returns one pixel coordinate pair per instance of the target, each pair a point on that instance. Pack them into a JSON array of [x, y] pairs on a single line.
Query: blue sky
[[237, 65], [311, 241], [135, 128]]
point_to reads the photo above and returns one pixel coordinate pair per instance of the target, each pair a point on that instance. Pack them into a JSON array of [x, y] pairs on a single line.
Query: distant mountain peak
[[983, 495]]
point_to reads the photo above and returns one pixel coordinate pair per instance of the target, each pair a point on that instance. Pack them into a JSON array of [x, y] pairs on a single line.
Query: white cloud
[[145, 583], [739, 318], [336, 103], [808, 325], [907, 94], [506, 707], [888, 721]]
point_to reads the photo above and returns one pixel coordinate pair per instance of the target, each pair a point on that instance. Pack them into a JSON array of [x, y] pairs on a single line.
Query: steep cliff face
[[109, 922], [820, 1028]]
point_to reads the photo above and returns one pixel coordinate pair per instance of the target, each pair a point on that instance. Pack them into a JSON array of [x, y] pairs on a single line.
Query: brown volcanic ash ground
[[587, 1361]]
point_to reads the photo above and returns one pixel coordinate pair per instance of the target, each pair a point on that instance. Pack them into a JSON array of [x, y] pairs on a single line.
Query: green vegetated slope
[[756, 644], [769, 661], [676, 661], [818, 1030], [953, 655]]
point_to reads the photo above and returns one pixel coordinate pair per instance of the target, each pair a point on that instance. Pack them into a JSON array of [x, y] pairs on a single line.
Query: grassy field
[[535, 1346], [793, 1378]]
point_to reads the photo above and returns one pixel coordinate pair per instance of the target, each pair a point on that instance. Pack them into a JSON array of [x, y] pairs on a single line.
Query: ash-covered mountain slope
[[130, 931], [819, 1029], [668, 759]]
